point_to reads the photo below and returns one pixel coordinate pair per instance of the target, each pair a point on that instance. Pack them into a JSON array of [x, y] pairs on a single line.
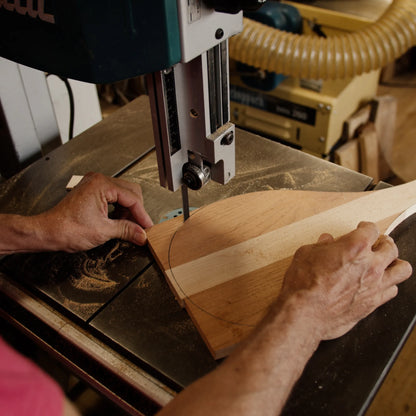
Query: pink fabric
[[24, 388]]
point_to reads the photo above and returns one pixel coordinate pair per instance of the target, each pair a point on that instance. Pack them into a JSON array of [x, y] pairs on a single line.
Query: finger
[[383, 240], [388, 294], [385, 250], [129, 200], [376, 300], [325, 238], [131, 186], [128, 231], [141, 216], [397, 272], [110, 182], [368, 230], [360, 241], [126, 194]]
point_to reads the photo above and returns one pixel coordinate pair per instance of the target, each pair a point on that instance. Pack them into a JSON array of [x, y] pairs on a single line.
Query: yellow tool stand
[[308, 114]]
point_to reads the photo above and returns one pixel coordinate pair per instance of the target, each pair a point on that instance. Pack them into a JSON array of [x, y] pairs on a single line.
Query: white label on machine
[[194, 10]]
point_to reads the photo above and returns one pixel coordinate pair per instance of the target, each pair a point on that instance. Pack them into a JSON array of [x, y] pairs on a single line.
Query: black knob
[[227, 139], [234, 6], [194, 177]]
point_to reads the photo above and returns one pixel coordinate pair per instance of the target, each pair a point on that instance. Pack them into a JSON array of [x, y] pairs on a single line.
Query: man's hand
[[340, 282], [328, 288], [80, 221]]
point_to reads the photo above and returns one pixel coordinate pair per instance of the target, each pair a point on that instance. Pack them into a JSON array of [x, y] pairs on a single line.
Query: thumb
[[325, 238], [129, 231]]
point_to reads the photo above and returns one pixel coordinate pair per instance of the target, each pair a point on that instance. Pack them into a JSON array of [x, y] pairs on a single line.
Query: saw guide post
[[226, 263]]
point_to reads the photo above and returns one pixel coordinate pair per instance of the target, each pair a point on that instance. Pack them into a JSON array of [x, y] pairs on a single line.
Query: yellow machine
[[303, 112]]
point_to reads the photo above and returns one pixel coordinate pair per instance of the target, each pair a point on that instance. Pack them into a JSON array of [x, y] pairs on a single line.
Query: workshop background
[[377, 138], [397, 86], [397, 90]]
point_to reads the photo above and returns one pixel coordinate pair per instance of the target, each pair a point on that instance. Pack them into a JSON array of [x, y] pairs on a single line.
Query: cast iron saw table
[[108, 313]]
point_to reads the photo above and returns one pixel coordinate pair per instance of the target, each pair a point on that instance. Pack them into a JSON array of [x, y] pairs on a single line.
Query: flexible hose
[[343, 56]]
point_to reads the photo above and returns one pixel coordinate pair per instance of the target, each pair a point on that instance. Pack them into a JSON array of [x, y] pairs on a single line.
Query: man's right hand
[[339, 282], [328, 288]]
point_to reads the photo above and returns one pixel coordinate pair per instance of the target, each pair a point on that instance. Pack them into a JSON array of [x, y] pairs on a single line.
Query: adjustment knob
[[194, 177]]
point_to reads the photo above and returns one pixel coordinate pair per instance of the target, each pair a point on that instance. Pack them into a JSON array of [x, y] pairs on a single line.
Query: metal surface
[[185, 202], [190, 100], [79, 284], [189, 124], [147, 324], [108, 147], [137, 315], [260, 165]]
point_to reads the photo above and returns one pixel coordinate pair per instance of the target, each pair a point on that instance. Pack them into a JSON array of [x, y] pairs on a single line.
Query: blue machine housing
[[279, 16], [95, 41]]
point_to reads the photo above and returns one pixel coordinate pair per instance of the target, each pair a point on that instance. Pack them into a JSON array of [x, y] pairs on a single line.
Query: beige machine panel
[[311, 120], [310, 113]]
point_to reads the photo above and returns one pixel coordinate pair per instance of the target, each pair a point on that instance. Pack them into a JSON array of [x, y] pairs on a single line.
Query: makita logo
[[32, 8]]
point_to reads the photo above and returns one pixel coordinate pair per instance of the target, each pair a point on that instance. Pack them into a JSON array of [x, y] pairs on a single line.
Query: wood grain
[[384, 119], [354, 122], [402, 159], [226, 263], [369, 151], [348, 155]]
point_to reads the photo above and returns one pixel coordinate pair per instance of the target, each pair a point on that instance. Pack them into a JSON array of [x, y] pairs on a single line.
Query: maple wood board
[[226, 263]]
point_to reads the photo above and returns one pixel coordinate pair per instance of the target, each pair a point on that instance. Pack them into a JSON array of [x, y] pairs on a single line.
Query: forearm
[[23, 234], [257, 378]]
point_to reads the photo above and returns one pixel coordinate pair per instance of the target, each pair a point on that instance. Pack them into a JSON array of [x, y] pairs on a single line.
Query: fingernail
[[140, 237]]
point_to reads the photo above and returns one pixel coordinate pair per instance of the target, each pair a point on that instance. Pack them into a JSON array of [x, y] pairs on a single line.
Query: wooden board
[[384, 118], [353, 123], [226, 263], [369, 154], [348, 155]]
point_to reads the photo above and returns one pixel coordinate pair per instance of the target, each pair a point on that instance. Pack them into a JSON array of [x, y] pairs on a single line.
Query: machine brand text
[[32, 8], [273, 104], [246, 97]]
